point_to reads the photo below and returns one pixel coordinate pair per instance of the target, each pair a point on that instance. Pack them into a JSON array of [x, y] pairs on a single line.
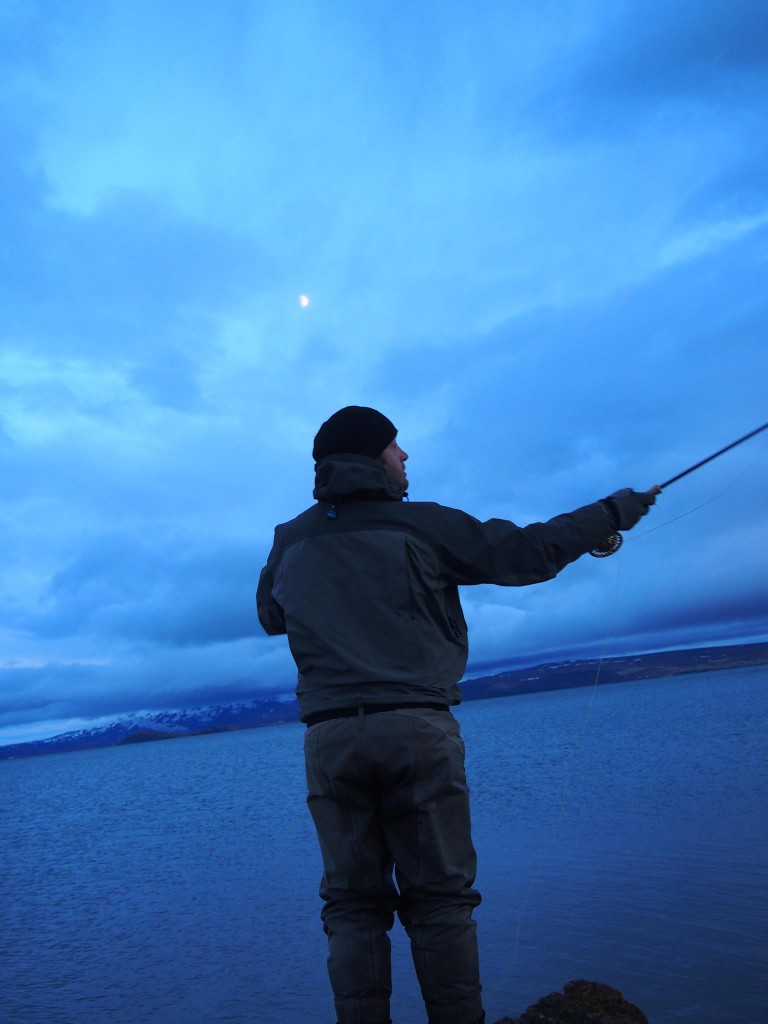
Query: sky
[[534, 233]]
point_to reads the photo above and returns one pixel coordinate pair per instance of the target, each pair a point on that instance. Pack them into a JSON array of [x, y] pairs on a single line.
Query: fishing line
[[704, 504], [608, 636], [613, 542], [564, 791], [554, 826]]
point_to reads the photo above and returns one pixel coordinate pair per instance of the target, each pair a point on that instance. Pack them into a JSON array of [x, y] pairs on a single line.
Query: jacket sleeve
[[270, 613], [500, 552]]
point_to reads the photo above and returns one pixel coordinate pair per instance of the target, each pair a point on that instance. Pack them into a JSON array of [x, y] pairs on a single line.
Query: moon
[[303, 301]]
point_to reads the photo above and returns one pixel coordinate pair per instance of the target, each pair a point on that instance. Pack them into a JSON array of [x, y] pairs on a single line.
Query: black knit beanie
[[355, 429]]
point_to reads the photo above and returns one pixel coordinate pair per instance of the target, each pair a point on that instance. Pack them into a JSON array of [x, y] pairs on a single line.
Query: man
[[366, 587]]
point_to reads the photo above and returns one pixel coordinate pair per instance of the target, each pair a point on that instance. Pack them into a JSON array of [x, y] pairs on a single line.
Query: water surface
[[621, 836]]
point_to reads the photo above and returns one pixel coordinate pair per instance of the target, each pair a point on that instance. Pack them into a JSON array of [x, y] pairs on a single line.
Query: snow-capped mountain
[[515, 680], [164, 725]]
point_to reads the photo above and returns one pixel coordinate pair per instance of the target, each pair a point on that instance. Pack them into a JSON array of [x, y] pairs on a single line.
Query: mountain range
[[187, 722]]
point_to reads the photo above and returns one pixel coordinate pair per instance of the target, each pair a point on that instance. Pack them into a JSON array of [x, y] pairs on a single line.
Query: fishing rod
[[614, 542]]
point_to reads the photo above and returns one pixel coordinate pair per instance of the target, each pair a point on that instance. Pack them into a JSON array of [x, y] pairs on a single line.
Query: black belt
[[368, 709]]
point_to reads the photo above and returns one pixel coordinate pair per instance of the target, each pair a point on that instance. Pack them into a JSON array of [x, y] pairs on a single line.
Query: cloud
[[128, 282], [534, 237], [686, 48], [133, 681], [157, 588], [711, 236], [646, 68]]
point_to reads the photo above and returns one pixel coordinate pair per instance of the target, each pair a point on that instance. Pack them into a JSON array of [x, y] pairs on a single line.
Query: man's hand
[[627, 507]]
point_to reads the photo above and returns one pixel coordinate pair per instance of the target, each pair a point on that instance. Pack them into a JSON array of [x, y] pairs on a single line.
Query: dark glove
[[627, 507]]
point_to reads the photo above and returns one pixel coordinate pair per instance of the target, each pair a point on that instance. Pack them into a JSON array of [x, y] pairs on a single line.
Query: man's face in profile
[[393, 460]]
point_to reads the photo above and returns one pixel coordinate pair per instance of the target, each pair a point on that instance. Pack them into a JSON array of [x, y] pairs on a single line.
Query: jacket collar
[[343, 477]]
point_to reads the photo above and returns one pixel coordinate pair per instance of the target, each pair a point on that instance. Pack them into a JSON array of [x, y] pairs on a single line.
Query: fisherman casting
[[365, 584]]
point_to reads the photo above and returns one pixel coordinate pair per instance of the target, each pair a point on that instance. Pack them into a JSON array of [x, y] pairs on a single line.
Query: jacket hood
[[343, 477]]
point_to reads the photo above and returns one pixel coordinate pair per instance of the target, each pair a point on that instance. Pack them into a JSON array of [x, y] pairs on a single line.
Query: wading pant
[[387, 791]]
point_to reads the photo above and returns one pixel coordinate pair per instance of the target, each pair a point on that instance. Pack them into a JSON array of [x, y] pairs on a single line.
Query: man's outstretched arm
[[498, 551]]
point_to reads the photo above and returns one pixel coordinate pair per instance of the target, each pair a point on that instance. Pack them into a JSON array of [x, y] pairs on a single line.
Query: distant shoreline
[[543, 678], [621, 669]]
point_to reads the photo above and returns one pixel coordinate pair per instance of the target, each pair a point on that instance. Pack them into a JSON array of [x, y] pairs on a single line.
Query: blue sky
[[534, 234]]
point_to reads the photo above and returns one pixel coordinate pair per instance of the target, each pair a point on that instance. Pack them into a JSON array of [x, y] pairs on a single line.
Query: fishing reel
[[609, 546]]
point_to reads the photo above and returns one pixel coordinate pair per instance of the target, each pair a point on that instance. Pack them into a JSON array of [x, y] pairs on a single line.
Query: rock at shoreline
[[581, 1002]]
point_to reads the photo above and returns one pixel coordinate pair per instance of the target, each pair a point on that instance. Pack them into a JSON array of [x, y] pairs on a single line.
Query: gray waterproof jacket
[[365, 585]]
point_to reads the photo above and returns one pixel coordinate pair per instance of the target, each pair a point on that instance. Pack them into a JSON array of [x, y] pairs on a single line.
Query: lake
[[621, 835]]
